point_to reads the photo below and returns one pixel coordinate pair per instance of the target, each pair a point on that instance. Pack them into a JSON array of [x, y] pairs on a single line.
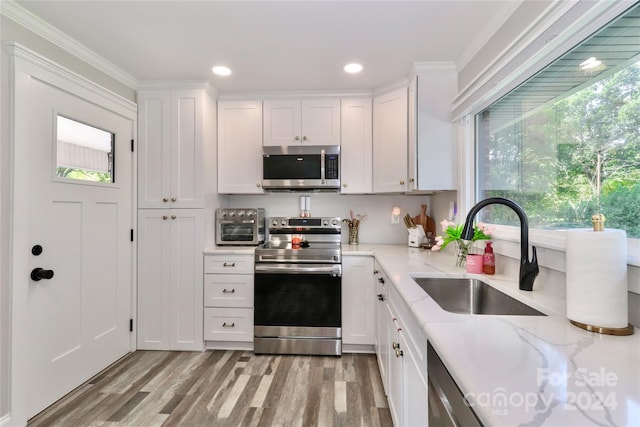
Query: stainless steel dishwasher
[[447, 405]]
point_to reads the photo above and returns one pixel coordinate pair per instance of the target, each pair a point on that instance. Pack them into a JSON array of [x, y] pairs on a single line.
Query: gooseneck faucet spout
[[528, 269]]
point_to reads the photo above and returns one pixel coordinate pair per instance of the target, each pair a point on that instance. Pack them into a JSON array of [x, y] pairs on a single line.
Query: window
[[84, 152], [566, 143]]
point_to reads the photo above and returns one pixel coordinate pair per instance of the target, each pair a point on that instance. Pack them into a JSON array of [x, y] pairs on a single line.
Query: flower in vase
[[453, 233]]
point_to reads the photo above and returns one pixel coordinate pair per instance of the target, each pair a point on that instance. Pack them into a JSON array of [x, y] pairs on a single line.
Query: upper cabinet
[[240, 147], [356, 150], [432, 165], [297, 122], [390, 142], [170, 149]]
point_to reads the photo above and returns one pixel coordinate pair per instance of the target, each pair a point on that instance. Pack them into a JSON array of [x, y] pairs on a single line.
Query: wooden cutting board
[[427, 223]]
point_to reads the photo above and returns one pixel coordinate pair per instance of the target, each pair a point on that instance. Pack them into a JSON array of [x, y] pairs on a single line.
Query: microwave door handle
[[322, 166]]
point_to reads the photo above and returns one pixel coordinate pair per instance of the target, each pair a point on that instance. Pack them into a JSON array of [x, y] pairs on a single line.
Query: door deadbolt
[[36, 250]]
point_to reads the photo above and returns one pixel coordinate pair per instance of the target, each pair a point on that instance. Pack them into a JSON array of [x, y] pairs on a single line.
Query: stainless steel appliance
[[240, 226], [447, 404], [298, 288], [308, 167]]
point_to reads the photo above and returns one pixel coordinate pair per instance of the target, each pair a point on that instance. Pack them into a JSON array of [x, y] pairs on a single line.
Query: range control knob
[[334, 222], [325, 222], [223, 213], [274, 222], [232, 213], [240, 213], [283, 222], [249, 213]]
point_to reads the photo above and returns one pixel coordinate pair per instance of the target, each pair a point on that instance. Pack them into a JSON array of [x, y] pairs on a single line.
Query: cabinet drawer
[[228, 324], [228, 264], [228, 290]]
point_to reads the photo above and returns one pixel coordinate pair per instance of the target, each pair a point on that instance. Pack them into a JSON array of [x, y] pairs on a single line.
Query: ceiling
[[276, 45]]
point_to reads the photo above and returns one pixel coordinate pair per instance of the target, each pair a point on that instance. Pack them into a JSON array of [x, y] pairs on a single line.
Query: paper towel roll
[[596, 269]]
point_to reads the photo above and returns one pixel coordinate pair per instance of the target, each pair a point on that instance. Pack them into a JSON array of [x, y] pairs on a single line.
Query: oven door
[[298, 295], [237, 232]]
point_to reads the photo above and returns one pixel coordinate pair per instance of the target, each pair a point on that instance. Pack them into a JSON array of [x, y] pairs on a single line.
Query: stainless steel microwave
[[310, 167], [243, 226]]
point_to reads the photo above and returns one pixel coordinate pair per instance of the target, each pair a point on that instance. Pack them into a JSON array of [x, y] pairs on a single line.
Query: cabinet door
[[186, 290], [356, 151], [382, 344], [240, 147], [416, 405], [170, 279], [321, 122], [282, 120], [390, 142], [154, 277], [358, 300], [154, 142], [187, 148], [396, 371]]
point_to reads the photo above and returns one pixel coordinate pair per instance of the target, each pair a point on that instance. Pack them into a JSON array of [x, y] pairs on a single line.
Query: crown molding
[[312, 94], [40, 27]]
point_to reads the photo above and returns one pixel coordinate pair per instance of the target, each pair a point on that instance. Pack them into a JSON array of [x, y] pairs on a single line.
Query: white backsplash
[[377, 228]]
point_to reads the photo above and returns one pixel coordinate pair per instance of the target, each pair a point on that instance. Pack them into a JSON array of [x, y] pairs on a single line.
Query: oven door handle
[[332, 270]]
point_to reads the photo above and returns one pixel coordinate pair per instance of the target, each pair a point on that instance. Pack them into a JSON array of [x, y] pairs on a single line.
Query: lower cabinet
[[401, 351], [228, 301], [358, 301], [170, 279]]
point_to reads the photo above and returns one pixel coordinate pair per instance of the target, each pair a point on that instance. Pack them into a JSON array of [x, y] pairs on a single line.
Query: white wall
[[377, 228]]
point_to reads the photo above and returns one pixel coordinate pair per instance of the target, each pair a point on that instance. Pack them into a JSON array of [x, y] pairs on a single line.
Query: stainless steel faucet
[[528, 269]]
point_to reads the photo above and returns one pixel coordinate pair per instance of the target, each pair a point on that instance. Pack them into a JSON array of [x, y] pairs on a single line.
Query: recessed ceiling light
[[353, 68], [590, 63], [221, 71]]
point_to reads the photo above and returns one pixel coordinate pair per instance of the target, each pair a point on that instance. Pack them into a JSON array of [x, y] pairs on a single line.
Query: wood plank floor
[[227, 388]]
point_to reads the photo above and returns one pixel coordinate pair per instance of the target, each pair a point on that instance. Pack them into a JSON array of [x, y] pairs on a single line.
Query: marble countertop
[[520, 370]]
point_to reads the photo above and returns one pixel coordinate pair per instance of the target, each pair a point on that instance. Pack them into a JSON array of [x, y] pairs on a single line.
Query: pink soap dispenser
[[489, 260]]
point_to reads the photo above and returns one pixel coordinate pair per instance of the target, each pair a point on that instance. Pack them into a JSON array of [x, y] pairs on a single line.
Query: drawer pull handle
[[226, 291], [228, 325], [229, 264]]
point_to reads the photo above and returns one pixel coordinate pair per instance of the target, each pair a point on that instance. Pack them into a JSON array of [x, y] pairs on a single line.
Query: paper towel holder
[[606, 331]]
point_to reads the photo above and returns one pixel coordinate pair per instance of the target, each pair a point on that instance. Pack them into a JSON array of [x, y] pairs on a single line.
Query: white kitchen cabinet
[[170, 279], [240, 147], [432, 165], [381, 336], [358, 301], [170, 148], [390, 133], [356, 150], [401, 351], [228, 301], [301, 122]]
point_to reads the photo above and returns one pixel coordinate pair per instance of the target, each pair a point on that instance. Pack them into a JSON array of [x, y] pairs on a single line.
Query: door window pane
[[84, 152]]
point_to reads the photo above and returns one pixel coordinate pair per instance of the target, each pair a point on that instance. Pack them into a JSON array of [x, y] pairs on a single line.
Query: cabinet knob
[[375, 272], [258, 185], [344, 185], [395, 345], [173, 199], [411, 180], [165, 200], [399, 353], [401, 182], [380, 297], [381, 279], [297, 138], [164, 217], [228, 325], [173, 217], [304, 138]]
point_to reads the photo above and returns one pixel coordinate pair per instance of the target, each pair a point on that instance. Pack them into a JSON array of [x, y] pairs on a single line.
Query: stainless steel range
[[298, 281]]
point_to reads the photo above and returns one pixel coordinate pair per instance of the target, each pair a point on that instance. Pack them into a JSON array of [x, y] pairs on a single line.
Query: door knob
[[38, 274]]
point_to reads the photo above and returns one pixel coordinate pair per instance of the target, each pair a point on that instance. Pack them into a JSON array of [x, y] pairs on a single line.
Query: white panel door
[[358, 300], [78, 319], [282, 122], [321, 122]]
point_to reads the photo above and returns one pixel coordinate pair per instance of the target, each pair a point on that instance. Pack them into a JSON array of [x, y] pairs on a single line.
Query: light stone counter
[[520, 370], [229, 250]]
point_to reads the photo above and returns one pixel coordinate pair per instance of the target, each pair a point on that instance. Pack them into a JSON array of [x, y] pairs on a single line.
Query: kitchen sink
[[472, 296]]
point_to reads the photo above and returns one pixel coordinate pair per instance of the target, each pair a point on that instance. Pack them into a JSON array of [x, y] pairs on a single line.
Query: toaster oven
[[240, 226]]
